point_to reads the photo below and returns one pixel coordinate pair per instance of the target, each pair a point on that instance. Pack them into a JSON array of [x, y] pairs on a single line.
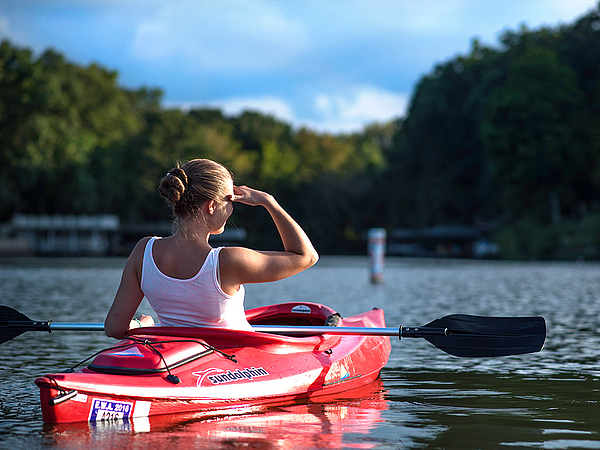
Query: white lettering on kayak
[[81, 398], [219, 376], [301, 309], [202, 375]]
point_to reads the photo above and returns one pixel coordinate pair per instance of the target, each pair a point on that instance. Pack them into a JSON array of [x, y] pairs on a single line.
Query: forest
[[506, 135]]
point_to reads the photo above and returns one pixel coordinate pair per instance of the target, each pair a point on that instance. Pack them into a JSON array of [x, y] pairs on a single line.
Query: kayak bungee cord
[[147, 343], [205, 344]]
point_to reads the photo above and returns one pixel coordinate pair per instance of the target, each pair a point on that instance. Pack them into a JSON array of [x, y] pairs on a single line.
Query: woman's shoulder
[[232, 254], [235, 258], [140, 247], [136, 257], [143, 242]]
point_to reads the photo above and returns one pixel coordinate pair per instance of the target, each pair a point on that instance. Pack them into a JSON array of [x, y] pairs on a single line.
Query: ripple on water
[[432, 400]]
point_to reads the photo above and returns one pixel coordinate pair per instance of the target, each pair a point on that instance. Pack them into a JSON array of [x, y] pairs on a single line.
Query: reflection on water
[[489, 411], [329, 423], [428, 399]]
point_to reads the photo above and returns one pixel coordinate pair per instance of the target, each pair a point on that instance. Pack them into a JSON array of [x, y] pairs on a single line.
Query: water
[[425, 398]]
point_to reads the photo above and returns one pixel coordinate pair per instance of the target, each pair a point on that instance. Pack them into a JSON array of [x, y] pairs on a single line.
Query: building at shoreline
[[84, 235]]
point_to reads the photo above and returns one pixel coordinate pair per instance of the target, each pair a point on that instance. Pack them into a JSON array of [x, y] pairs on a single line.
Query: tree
[[529, 134], [53, 116], [437, 165]]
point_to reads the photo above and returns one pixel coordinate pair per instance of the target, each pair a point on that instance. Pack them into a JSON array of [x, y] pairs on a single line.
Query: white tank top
[[194, 302]]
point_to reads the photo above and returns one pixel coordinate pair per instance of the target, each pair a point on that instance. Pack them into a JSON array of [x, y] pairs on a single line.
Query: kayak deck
[[167, 370]]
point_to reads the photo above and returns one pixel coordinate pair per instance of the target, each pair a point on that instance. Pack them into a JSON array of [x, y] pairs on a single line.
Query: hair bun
[[173, 185], [178, 172]]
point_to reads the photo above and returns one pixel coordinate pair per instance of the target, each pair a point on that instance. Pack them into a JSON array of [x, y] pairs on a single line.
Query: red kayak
[[168, 370]]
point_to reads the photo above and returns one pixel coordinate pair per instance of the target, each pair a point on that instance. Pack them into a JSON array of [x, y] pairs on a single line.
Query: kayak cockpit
[[293, 313]]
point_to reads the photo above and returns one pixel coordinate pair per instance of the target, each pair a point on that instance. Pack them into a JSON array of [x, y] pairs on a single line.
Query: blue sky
[[331, 65]]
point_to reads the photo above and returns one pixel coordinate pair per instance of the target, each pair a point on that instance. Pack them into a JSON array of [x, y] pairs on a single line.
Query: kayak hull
[[334, 422], [166, 370]]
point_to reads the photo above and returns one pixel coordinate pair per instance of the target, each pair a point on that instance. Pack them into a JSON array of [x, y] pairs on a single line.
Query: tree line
[[506, 135], [510, 136]]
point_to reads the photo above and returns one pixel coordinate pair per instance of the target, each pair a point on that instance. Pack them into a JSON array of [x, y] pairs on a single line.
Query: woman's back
[[197, 300], [179, 259]]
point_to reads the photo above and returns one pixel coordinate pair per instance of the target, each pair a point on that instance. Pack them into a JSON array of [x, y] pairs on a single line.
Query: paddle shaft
[[458, 334], [295, 330], [361, 331]]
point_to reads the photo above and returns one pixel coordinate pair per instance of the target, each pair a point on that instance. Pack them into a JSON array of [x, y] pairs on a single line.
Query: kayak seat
[[292, 313]]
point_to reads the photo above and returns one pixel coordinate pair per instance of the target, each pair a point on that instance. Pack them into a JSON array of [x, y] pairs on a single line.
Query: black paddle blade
[[13, 323], [489, 336]]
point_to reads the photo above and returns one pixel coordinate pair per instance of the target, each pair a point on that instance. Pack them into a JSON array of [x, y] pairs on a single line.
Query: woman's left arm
[[128, 298]]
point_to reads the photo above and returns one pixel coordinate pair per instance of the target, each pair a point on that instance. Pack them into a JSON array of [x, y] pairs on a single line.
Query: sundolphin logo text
[[236, 375]]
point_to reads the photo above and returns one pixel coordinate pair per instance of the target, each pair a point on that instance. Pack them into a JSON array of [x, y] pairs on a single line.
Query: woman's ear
[[211, 206]]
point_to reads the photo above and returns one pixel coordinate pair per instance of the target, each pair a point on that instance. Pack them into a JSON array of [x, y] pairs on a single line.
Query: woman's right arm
[[128, 298], [241, 265]]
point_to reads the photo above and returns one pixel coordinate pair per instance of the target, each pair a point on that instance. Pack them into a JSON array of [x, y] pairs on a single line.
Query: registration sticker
[[110, 410]]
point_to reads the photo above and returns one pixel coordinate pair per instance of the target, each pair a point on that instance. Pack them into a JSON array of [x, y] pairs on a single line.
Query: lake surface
[[425, 398]]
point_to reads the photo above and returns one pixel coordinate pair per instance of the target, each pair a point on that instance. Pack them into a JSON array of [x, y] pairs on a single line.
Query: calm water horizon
[[425, 399]]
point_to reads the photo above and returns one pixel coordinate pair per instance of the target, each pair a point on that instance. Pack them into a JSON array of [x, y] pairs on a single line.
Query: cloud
[[341, 112], [268, 105], [8, 30], [351, 110], [4, 26], [217, 36]]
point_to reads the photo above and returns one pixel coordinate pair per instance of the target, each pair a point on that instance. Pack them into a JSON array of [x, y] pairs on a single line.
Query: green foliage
[[73, 141], [53, 116], [438, 159], [527, 239], [507, 135], [530, 134]]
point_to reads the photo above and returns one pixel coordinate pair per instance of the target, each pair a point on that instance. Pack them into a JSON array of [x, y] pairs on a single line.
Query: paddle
[[458, 334]]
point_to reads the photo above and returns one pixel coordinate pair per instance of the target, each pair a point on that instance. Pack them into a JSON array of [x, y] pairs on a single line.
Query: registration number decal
[[110, 410]]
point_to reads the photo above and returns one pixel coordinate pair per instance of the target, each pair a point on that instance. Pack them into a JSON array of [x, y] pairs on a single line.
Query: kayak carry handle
[[62, 397]]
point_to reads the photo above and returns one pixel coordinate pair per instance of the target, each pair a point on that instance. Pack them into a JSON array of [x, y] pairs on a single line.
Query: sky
[[333, 66]]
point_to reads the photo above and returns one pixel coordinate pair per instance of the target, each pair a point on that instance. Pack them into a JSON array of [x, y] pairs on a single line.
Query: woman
[[186, 281]]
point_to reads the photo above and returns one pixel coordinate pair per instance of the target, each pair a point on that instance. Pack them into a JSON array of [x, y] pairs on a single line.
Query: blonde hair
[[187, 187]]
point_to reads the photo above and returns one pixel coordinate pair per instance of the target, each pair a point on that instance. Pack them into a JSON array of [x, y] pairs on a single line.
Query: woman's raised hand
[[241, 265], [249, 196]]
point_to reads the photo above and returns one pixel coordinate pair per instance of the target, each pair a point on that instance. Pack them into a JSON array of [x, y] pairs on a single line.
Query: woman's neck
[[192, 230]]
